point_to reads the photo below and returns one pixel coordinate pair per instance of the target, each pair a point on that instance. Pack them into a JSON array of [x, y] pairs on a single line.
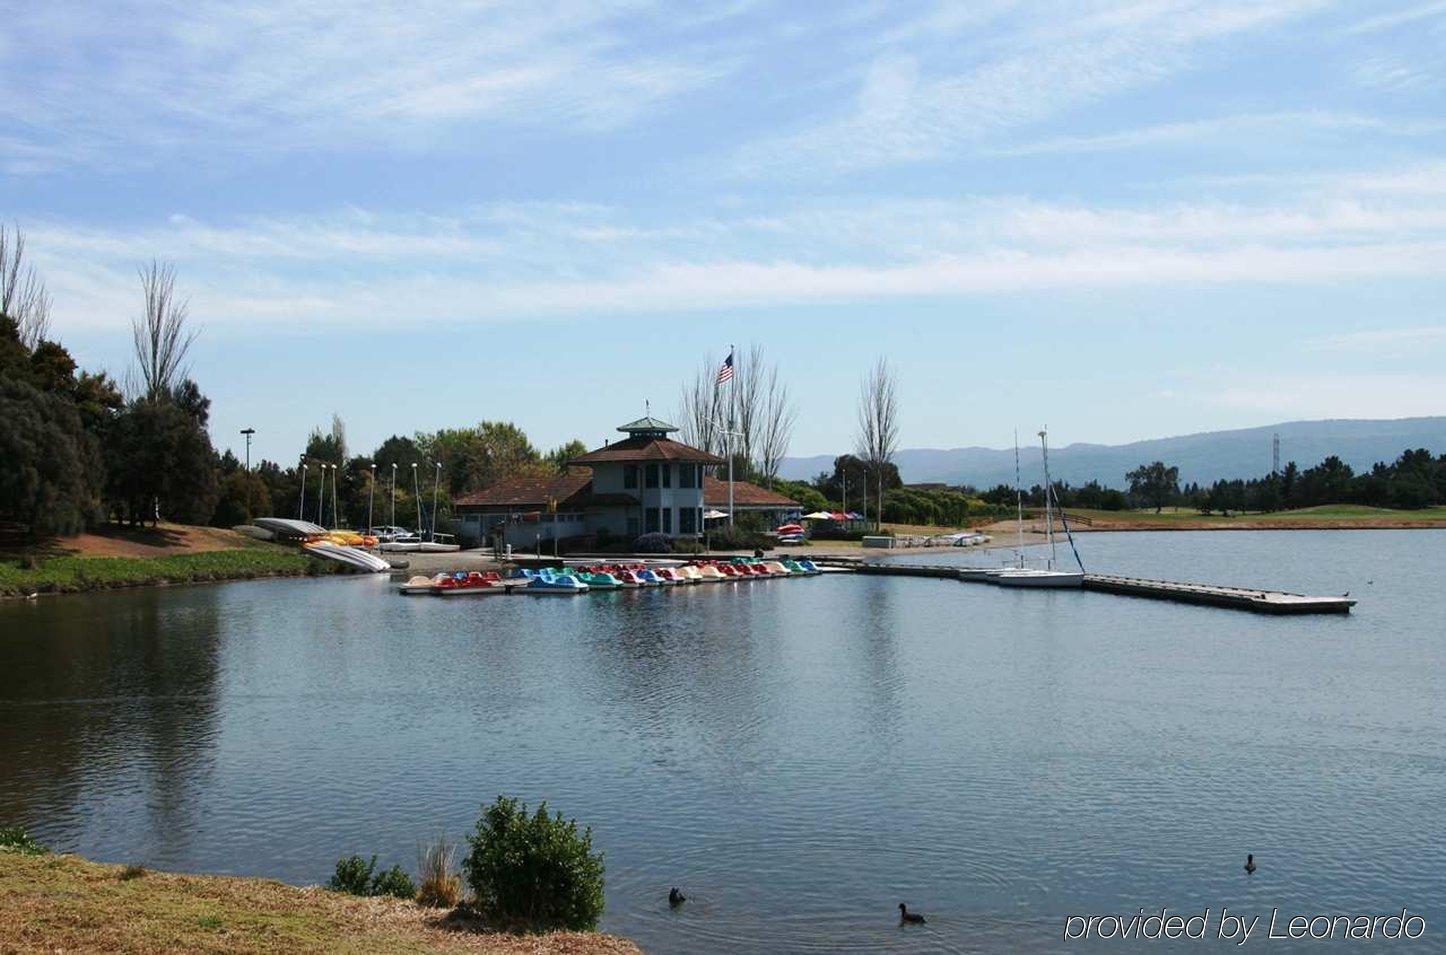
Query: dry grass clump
[[441, 884]]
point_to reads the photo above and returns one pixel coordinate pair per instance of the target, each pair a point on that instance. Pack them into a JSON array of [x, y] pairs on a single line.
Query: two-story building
[[643, 484]]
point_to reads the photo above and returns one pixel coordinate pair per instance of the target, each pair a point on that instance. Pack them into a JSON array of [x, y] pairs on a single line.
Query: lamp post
[[321, 496], [394, 496], [728, 450], [371, 493], [437, 480], [301, 501], [248, 432], [417, 494], [335, 516]]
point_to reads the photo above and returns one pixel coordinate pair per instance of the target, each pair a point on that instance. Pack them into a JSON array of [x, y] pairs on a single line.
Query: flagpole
[[732, 401]]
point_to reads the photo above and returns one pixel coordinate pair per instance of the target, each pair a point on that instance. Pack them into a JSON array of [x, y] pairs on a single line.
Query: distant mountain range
[[1204, 457]]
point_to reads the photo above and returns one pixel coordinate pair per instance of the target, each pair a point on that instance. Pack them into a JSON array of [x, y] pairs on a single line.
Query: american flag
[[725, 372]]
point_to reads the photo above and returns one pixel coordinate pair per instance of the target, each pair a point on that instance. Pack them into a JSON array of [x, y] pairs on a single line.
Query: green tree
[[1155, 484], [161, 463], [558, 457], [242, 495], [49, 462]]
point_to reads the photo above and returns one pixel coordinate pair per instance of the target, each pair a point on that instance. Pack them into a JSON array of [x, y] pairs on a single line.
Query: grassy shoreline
[[73, 574], [66, 903]]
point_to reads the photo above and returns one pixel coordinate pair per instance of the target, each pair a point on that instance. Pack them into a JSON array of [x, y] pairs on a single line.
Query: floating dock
[[1234, 598]]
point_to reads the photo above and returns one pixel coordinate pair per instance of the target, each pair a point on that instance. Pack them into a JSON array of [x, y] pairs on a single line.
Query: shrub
[[653, 543], [441, 887], [16, 839], [686, 545], [353, 875], [394, 882], [535, 870], [132, 871]]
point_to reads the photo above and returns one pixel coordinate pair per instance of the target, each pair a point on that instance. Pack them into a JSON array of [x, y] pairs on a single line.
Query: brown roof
[[715, 494], [643, 448], [530, 490]]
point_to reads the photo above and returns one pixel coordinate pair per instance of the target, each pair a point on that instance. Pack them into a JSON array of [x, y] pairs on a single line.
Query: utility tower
[[1275, 453]]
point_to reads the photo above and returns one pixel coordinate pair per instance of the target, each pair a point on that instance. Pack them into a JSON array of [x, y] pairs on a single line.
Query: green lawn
[[79, 574], [1325, 512]]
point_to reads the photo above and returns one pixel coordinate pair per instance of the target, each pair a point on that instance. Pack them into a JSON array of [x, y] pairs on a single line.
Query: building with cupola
[[645, 483]]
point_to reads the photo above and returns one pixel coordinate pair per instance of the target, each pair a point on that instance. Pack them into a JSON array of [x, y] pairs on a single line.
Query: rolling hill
[[1203, 457]]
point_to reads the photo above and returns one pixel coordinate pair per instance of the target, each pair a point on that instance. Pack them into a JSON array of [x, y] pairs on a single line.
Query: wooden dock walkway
[[1234, 598]]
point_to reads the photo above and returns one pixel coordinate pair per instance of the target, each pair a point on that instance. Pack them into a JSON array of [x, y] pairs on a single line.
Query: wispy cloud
[[1407, 15], [131, 82], [1224, 131], [1326, 395], [911, 109], [580, 261], [1386, 341]]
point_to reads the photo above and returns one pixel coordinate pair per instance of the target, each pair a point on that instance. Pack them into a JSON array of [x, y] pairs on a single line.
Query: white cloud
[[1225, 130], [132, 82], [1049, 63], [1400, 342], [1404, 16]]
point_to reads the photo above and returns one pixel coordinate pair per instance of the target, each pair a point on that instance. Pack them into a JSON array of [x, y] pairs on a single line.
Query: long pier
[[1233, 598]]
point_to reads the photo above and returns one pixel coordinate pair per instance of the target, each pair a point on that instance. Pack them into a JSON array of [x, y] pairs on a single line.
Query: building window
[[667, 520], [630, 475], [652, 475], [687, 520], [686, 475], [652, 520]]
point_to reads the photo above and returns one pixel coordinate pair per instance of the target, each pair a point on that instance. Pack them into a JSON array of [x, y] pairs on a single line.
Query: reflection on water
[[798, 755]]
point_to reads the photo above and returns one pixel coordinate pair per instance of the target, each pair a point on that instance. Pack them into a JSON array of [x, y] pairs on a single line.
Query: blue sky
[[1122, 218]]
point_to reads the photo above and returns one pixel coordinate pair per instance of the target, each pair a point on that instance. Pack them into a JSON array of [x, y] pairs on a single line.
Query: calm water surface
[[799, 755]]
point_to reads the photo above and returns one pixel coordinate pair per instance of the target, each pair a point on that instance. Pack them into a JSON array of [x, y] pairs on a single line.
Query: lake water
[[797, 755]]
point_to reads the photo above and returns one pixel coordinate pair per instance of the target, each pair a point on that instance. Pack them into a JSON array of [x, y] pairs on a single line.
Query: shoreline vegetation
[[124, 558], [68, 903]]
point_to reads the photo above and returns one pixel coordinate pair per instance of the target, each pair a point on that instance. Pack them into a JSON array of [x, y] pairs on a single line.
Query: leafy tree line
[[471, 459], [75, 450]]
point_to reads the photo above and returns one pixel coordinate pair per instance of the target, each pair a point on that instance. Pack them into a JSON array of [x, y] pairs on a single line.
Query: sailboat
[[1049, 575]]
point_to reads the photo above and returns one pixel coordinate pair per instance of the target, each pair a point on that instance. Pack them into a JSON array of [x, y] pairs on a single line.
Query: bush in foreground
[[16, 839], [535, 870], [358, 876]]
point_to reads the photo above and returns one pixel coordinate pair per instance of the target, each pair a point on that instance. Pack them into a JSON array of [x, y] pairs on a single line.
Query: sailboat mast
[[1048, 496], [1018, 501]]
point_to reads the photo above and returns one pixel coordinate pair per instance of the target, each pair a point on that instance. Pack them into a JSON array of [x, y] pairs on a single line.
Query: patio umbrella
[[714, 515], [855, 516], [818, 516]]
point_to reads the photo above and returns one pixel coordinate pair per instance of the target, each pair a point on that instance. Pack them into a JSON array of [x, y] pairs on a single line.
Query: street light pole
[[248, 432], [394, 497], [417, 493], [371, 493], [321, 496], [335, 511], [301, 501], [435, 482]]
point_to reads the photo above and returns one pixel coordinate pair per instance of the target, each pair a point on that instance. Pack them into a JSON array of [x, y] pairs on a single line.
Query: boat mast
[[1018, 502], [1048, 497]]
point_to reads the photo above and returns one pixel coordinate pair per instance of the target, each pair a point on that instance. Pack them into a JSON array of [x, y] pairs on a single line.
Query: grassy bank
[[65, 903], [73, 574]]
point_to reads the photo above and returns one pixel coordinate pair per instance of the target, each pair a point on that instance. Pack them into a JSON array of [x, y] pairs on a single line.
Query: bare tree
[[23, 296], [746, 394], [776, 429], [702, 408], [161, 337], [878, 436]]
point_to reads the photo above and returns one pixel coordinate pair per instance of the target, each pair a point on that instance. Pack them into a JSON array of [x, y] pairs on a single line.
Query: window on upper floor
[[650, 474], [687, 475], [667, 475], [630, 475]]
